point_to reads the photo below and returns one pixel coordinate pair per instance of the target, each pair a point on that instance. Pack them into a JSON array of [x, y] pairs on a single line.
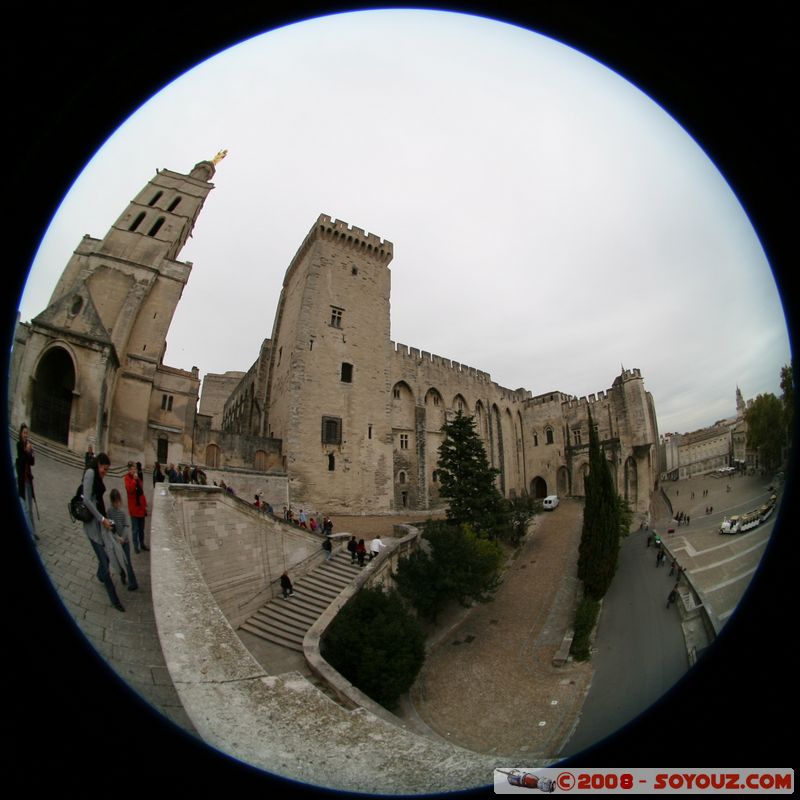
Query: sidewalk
[[127, 641]]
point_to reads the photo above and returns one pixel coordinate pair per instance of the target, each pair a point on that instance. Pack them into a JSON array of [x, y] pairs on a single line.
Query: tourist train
[[752, 519]]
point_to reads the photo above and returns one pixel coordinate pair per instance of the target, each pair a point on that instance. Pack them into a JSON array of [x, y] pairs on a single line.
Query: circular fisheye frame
[[396, 397]]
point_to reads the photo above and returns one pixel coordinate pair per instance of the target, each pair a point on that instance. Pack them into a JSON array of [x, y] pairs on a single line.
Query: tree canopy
[[766, 431], [460, 566], [467, 480], [377, 645], [603, 518]]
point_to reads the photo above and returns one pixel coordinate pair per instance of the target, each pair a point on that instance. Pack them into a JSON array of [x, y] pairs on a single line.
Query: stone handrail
[[281, 723], [376, 572]]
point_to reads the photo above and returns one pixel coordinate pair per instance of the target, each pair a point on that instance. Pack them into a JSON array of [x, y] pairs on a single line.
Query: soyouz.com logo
[[513, 780]]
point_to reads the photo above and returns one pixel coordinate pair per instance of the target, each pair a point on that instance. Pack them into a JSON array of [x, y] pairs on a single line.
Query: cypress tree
[[599, 547], [467, 480]]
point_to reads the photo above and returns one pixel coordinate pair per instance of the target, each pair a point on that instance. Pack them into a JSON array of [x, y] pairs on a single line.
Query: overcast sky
[[550, 222]]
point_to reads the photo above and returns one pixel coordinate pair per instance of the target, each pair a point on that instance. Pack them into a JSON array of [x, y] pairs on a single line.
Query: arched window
[[174, 204], [156, 198], [401, 477], [157, 227], [137, 222], [548, 432], [331, 462]]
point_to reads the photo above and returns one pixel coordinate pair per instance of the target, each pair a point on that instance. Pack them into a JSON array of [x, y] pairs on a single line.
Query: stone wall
[[240, 552]]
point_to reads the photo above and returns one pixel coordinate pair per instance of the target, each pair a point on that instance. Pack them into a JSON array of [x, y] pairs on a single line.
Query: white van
[[550, 502]]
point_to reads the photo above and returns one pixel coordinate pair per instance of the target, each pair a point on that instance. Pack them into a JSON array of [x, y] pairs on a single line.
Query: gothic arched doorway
[[52, 395], [538, 488]]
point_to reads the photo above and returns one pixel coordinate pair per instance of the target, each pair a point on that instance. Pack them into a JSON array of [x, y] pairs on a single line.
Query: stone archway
[[538, 488], [52, 395]]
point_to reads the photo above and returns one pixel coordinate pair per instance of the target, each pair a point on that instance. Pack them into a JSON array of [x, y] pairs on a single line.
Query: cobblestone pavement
[[489, 685], [127, 641]]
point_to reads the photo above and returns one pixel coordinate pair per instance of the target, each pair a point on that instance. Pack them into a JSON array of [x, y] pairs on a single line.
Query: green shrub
[[585, 620], [376, 644]]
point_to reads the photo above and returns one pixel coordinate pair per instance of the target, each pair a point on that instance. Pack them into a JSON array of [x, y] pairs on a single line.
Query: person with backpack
[[93, 491], [327, 546]]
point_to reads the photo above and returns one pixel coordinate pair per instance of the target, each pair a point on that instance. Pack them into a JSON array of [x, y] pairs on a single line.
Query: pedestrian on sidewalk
[[672, 567], [673, 595], [352, 546], [93, 491], [327, 546], [137, 506], [26, 460], [286, 586], [118, 540]]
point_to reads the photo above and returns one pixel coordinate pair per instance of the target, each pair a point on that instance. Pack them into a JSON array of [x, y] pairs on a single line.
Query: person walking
[[26, 460], [137, 506], [352, 546], [158, 475], [361, 552], [93, 491], [88, 457], [327, 546], [286, 586], [117, 539], [673, 595], [375, 547]]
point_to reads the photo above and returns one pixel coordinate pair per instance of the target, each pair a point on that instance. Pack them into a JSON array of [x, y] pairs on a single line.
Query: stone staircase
[[285, 622]]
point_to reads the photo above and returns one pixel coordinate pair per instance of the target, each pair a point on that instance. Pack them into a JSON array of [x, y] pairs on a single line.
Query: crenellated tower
[[328, 386]]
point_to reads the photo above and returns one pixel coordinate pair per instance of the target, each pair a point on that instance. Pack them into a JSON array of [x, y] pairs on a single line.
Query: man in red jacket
[[137, 506]]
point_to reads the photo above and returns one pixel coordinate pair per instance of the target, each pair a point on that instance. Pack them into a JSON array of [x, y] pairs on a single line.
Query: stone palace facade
[[351, 418]]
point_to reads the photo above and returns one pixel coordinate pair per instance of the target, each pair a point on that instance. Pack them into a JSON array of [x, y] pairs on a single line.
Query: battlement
[[417, 355], [557, 398], [354, 237], [576, 402], [627, 375], [367, 244]]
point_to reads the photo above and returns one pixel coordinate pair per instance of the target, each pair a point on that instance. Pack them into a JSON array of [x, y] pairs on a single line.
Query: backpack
[[77, 508]]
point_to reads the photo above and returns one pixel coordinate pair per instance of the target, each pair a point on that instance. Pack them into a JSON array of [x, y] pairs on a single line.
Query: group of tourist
[[181, 474], [107, 528]]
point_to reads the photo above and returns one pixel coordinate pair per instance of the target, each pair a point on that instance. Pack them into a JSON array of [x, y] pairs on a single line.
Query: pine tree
[[467, 480], [599, 547]]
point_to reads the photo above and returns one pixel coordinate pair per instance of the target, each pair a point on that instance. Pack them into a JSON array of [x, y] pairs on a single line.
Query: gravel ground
[[489, 683]]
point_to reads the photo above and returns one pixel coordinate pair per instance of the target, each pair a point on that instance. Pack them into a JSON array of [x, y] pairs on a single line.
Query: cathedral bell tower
[[102, 339]]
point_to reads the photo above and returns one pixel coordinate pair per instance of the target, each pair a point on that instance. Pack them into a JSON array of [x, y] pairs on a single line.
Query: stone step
[[281, 627], [289, 644], [286, 621], [321, 587], [287, 609], [311, 592]]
